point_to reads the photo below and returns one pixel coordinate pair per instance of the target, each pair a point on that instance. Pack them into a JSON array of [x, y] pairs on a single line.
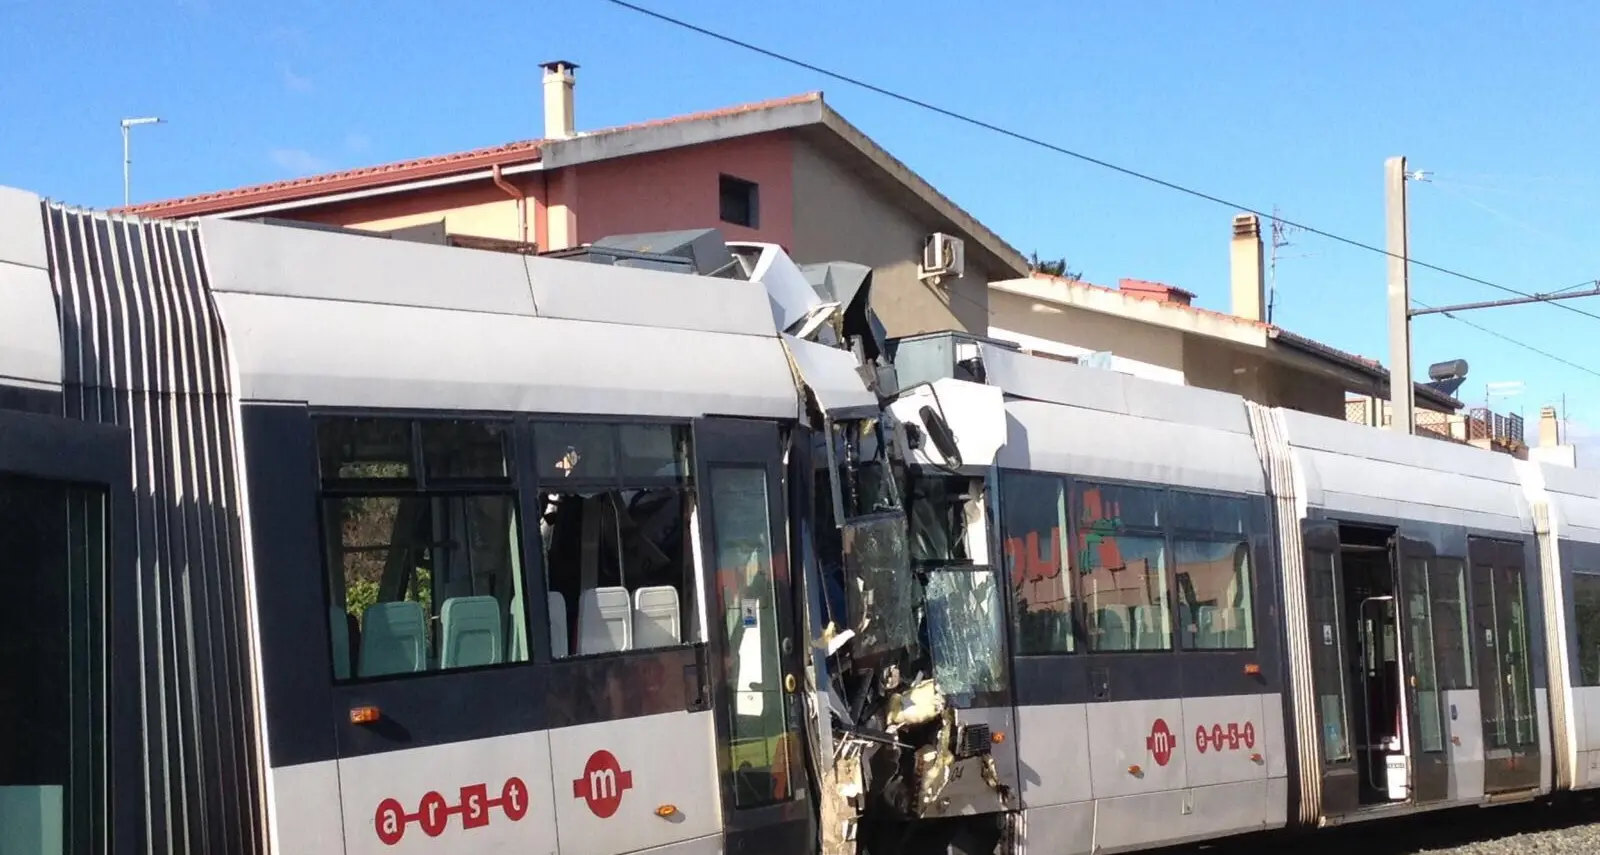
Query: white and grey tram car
[[1225, 618], [325, 543]]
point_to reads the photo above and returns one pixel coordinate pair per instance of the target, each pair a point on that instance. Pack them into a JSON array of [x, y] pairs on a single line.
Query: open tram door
[[67, 745], [755, 662], [1429, 771], [1326, 612]]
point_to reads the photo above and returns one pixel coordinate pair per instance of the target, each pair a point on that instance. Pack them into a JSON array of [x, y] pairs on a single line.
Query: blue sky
[[1267, 103]]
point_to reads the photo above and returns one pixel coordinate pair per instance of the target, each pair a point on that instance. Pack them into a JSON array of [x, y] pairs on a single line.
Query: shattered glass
[[884, 594], [964, 632]]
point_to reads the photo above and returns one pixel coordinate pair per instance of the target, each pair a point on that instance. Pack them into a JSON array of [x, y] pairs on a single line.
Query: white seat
[[656, 617], [558, 624], [394, 638], [605, 621], [470, 629]]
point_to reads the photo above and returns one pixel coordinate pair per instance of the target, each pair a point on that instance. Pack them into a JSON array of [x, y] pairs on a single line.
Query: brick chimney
[[1249, 288], [1549, 428], [1156, 290], [558, 84]]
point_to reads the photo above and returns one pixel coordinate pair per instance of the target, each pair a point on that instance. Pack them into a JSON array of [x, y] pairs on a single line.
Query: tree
[[1053, 267]]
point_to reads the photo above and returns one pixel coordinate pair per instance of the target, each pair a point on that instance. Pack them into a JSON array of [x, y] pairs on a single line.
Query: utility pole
[[127, 159], [1401, 391]]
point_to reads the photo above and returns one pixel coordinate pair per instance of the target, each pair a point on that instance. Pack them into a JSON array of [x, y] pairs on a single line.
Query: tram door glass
[[1420, 652], [1327, 664], [759, 724], [53, 722], [1505, 669]]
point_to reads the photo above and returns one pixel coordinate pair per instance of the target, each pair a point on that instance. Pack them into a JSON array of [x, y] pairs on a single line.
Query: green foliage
[[1053, 267]]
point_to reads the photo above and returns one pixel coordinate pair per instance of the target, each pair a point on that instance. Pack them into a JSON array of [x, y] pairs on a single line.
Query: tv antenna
[[1280, 239]]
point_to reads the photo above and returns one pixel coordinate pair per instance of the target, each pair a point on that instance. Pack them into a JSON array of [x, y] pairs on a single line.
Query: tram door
[[62, 485], [755, 660], [1326, 611], [1430, 766], [1502, 642]]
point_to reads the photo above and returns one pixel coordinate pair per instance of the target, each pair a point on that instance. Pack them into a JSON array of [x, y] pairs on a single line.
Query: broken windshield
[[965, 632]]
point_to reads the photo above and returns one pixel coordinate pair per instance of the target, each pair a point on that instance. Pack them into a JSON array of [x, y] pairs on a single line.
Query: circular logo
[[603, 783], [1200, 739], [514, 799], [435, 814], [1249, 735], [1160, 742], [390, 821]]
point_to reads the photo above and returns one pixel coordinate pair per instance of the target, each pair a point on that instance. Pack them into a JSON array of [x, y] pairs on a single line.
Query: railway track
[[1565, 826]]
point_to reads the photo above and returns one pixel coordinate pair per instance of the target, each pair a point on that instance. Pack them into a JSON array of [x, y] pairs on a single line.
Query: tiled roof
[[362, 178]]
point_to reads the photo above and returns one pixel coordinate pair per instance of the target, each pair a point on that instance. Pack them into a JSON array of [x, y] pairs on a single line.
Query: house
[[1153, 330], [790, 171]]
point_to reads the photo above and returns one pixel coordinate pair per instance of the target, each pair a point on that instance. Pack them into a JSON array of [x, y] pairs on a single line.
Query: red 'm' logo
[[603, 783], [1160, 742]]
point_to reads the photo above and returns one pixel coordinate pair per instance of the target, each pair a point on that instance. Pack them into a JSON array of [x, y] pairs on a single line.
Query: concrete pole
[[1401, 391]]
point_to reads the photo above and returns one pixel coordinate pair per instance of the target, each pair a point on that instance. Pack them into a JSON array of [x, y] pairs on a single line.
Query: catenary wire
[[1133, 173]]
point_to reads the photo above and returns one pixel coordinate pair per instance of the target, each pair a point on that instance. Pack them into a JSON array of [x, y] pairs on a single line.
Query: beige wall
[[1140, 349], [840, 216], [1211, 364]]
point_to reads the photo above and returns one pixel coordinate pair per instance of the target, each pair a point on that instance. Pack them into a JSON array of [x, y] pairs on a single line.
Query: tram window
[[1103, 507], [422, 575], [464, 450], [616, 503], [1124, 589], [360, 449], [1447, 588], [1034, 518], [1586, 614], [1215, 603], [1205, 512]]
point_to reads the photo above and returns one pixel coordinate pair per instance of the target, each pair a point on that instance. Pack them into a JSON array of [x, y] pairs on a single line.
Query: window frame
[[726, 183], [691, 601], [333, 489], [1590, 577], [1168, 530]]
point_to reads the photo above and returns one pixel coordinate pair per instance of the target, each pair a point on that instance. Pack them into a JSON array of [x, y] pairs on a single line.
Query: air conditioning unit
[[943, 255]]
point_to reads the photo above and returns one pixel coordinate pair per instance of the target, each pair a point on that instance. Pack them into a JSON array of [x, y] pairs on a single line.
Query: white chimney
[[1249, 288], [558, 83]]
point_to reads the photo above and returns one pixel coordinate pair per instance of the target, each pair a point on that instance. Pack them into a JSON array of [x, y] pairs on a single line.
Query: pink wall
[[677, 189]]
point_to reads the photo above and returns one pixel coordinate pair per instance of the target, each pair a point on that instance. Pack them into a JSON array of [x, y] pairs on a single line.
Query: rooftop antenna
[[1280, 239]]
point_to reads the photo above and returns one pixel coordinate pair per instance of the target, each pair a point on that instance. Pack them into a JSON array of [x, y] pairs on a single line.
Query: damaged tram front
[[907, 687]]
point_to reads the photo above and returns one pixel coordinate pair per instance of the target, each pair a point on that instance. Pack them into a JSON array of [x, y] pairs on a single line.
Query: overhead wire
[[1104, 164], [1518, 342]]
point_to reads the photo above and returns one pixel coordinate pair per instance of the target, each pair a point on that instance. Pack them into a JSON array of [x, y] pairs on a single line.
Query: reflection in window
[[615, 516], [1124, 587], [1447, 588], [1214, 594], [1327, 669], [424, 574], [1105, 507], [759, 749], [1420, 653], [1034, 520], [1586, 614]]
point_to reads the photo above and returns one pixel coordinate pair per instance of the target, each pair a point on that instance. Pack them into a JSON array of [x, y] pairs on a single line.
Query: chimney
[[1549, 428], [1249, 288], [558, 82], [1156, 290]]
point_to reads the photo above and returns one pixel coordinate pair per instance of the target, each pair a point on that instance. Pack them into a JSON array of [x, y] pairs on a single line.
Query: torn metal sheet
[[833, 377]]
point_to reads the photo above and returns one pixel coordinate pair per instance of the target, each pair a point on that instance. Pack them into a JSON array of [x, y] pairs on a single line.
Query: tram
[[329, 542]]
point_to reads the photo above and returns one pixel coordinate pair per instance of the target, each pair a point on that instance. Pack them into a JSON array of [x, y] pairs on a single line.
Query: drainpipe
[[513, 192]]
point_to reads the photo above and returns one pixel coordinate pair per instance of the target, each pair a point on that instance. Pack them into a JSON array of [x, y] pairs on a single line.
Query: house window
[[740, 201]]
